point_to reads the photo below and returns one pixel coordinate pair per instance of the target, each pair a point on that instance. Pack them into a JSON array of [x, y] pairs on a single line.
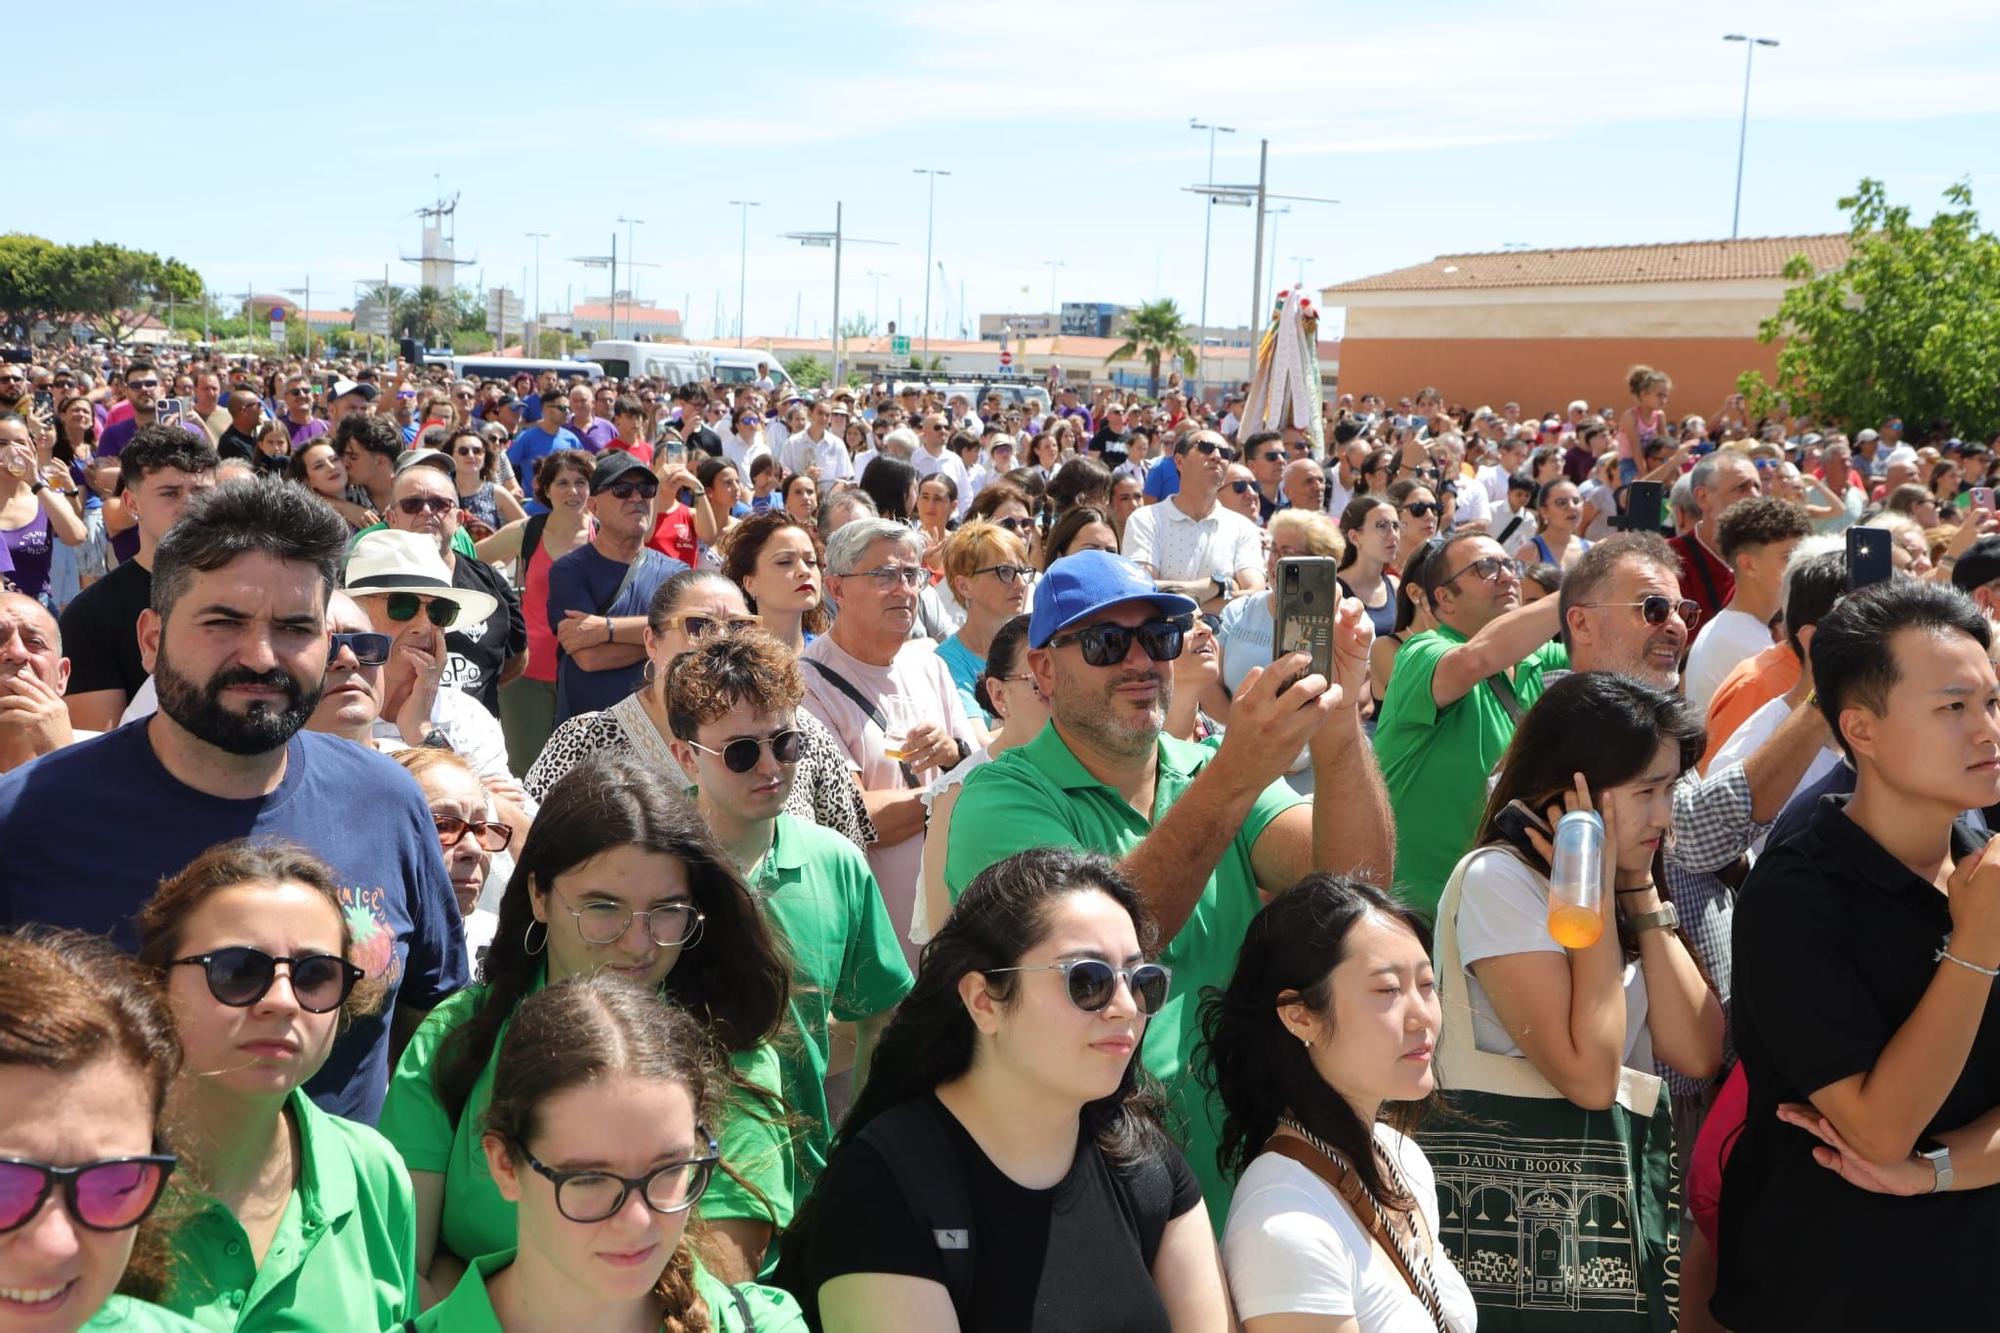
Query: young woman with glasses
[[599, 1138], [1009, 1072], [617, 875], [87, 1055], [292, 1214], [986, 567], [689, 606], [1319, 1052], [1558, 514]]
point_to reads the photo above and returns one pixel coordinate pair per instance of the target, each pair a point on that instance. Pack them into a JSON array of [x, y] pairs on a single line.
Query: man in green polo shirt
[[1200, 832], [1453, 701], [731, 704]]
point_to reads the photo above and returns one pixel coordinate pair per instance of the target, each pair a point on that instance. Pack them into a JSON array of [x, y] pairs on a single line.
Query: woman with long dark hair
[[1319, 1052], [600, 1140], [1009, 1075], [1372, 530], [777, 560], [617, 873], [892, 485]]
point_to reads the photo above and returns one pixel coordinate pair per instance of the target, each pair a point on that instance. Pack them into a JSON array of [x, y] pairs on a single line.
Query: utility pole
[[837, 239], [1207, 230], [1055, 324], [930, 225], [1257, 264], [742, 261], [631, 278], [533, 349], [1750, 45], [878, 275]]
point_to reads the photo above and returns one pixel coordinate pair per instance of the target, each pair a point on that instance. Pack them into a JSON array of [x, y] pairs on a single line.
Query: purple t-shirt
[[311, 430], [25, 553], [111, 441], [596, 435]]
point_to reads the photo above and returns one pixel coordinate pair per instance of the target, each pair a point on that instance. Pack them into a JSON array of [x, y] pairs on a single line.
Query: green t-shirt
[[478, 1220], [1435, 761], [846, 962], [1040, 794], [345, 1256], [468, 1309], [128, 1315], [461, 543]]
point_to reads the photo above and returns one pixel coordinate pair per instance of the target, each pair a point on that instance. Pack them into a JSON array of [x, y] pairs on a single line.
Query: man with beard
[[1201, 831], [237, 642], [15, 397]]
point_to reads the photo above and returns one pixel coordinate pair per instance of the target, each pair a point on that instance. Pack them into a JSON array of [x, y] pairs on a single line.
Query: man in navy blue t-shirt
[[237, 643]]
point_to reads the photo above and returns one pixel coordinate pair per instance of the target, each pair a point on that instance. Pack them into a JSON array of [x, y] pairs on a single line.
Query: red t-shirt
[[673, 534], [641, 450]]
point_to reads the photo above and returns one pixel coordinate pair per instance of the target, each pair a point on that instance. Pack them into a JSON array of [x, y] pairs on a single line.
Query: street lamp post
[[539, 237], [930, 224], [836, 238], [1275, 213], [631, 278], [1207, 229], [1750, 45], [1052, 265], [878, 275], [742, 261]]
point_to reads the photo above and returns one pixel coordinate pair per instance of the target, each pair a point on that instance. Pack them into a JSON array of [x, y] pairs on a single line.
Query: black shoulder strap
[[1697, 556], [868, 706], [1513, 525], [912, 1141], [1503, 690], [531, 540], [748, 1319]]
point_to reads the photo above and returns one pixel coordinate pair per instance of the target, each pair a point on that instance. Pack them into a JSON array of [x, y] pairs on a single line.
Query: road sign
[[371, 316], [899, 346], [503, 313], [1006, 357]]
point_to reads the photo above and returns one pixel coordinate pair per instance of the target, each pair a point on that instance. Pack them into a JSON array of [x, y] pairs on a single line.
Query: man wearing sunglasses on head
[[598, 593], [1202, 831], [1190, 543]]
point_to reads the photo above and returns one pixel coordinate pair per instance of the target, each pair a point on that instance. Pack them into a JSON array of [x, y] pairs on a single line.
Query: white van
[[676, 363], [738, 365], [507, 367]]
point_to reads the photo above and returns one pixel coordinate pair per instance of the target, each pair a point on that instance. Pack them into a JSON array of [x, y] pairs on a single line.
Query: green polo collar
[[787, 852], [469, 1307], [327, 1189], [1053, 758]]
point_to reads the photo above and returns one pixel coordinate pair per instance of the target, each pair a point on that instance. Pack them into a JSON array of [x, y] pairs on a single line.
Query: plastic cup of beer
[[1576, 880]]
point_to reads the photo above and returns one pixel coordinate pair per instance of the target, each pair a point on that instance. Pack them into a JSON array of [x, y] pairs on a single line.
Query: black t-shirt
[[100, 632], [477, 654], [1070, 1259], [1113, 444], [708, 442], [235, 444], [1834, 946]]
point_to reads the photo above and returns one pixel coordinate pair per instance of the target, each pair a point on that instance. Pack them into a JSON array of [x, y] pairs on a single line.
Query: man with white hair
[[888, 698]]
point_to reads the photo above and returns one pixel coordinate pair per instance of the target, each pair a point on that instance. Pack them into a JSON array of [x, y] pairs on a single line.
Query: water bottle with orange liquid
[[1576, 884]]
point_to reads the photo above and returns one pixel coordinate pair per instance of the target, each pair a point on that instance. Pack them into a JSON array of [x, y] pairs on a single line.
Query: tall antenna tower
[[438, 262]]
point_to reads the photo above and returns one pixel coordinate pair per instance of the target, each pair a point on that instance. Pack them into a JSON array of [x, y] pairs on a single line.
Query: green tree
[[1154, 332], [1909, 326], [428, 314], [100, 281], [808, 372], [28, 279]]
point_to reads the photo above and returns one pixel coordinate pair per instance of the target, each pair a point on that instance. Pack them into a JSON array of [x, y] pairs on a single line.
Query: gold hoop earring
[[529, 944]]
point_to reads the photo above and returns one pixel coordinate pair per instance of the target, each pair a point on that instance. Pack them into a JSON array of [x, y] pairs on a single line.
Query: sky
[[271, 144]]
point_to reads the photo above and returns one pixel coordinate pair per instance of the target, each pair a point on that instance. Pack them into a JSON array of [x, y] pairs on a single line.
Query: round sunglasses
[[740, 755], [404, 605], [1108, 645], [1093, 982], [114, 1194], [239, 976]]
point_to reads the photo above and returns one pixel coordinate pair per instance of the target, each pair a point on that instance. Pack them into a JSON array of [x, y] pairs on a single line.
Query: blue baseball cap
[[1078, 586]]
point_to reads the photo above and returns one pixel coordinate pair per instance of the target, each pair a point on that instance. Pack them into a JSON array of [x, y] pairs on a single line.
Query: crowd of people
[[530, 854]]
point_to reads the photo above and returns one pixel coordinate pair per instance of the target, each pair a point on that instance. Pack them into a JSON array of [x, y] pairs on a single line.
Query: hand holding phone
[[1869, 559], [1982, 498]]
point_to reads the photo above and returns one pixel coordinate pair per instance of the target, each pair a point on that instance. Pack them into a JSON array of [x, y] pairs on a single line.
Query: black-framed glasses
[[413, 505], [404, 606], [1424, 509], [1241, 486], [606, 923], [239, 976], [593, 1195], [142, 384], [1656, 608], [1491, 568], [888, 576], [1093, 982], [1108, 645], [643, 487], [112, 1194], [1211, 447], [369, 648], [740, 755], [492, 834], [1007, 573], [1271, 456]]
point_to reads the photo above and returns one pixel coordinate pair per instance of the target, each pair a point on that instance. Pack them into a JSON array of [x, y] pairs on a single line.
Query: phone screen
[[1868, 557]]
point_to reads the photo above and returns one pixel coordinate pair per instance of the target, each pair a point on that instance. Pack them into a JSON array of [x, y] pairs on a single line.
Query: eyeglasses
[[696, 626], [113, 1194], [299, 391], [1007, 573], [592, 1196], [414, 505], [1423, 509], [1211, 447], [740, 755], [606, 923], [889, 576], [1211, 621], [1108, 645], [643, 487], [1017, 526], [239, 976], [1656, 608], [403, 606], [1241, 486], [472, 451], [1093, 982], [492, 835], [1491, 568], [369, 649]]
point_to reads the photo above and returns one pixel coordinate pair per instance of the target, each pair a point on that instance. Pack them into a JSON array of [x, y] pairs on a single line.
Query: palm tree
[[429, 314], [1153, 331]]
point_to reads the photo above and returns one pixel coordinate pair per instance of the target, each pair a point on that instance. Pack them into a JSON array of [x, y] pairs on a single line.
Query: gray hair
[[1682, 497], [900, 443], [847, 545], [859, 502]]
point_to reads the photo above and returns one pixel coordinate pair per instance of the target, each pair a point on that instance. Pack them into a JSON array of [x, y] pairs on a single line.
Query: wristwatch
[[1667, 918], [1939, 1157], [1221, 586]]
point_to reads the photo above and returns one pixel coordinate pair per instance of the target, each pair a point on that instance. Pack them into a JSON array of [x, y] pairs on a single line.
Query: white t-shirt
[[1504, 909], [1474, 508], [1291, 1246], [1494, 478], [1524, 531], [1722, 644], [1754, 730], [1605, 500], [1176, 547]]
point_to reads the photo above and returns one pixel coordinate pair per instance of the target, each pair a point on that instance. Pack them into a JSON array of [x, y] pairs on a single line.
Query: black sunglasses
[[1423, 509], [369, 649], [1093, 982], [1016, 525], [239, 976], [414, 505], [740, 755], [625, 490], [1211, 447], [403, 606], [1108, 645], [1241, 486], [114, 1194]]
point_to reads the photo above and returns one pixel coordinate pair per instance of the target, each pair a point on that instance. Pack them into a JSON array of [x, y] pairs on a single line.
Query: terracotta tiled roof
[[1696, 261]]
